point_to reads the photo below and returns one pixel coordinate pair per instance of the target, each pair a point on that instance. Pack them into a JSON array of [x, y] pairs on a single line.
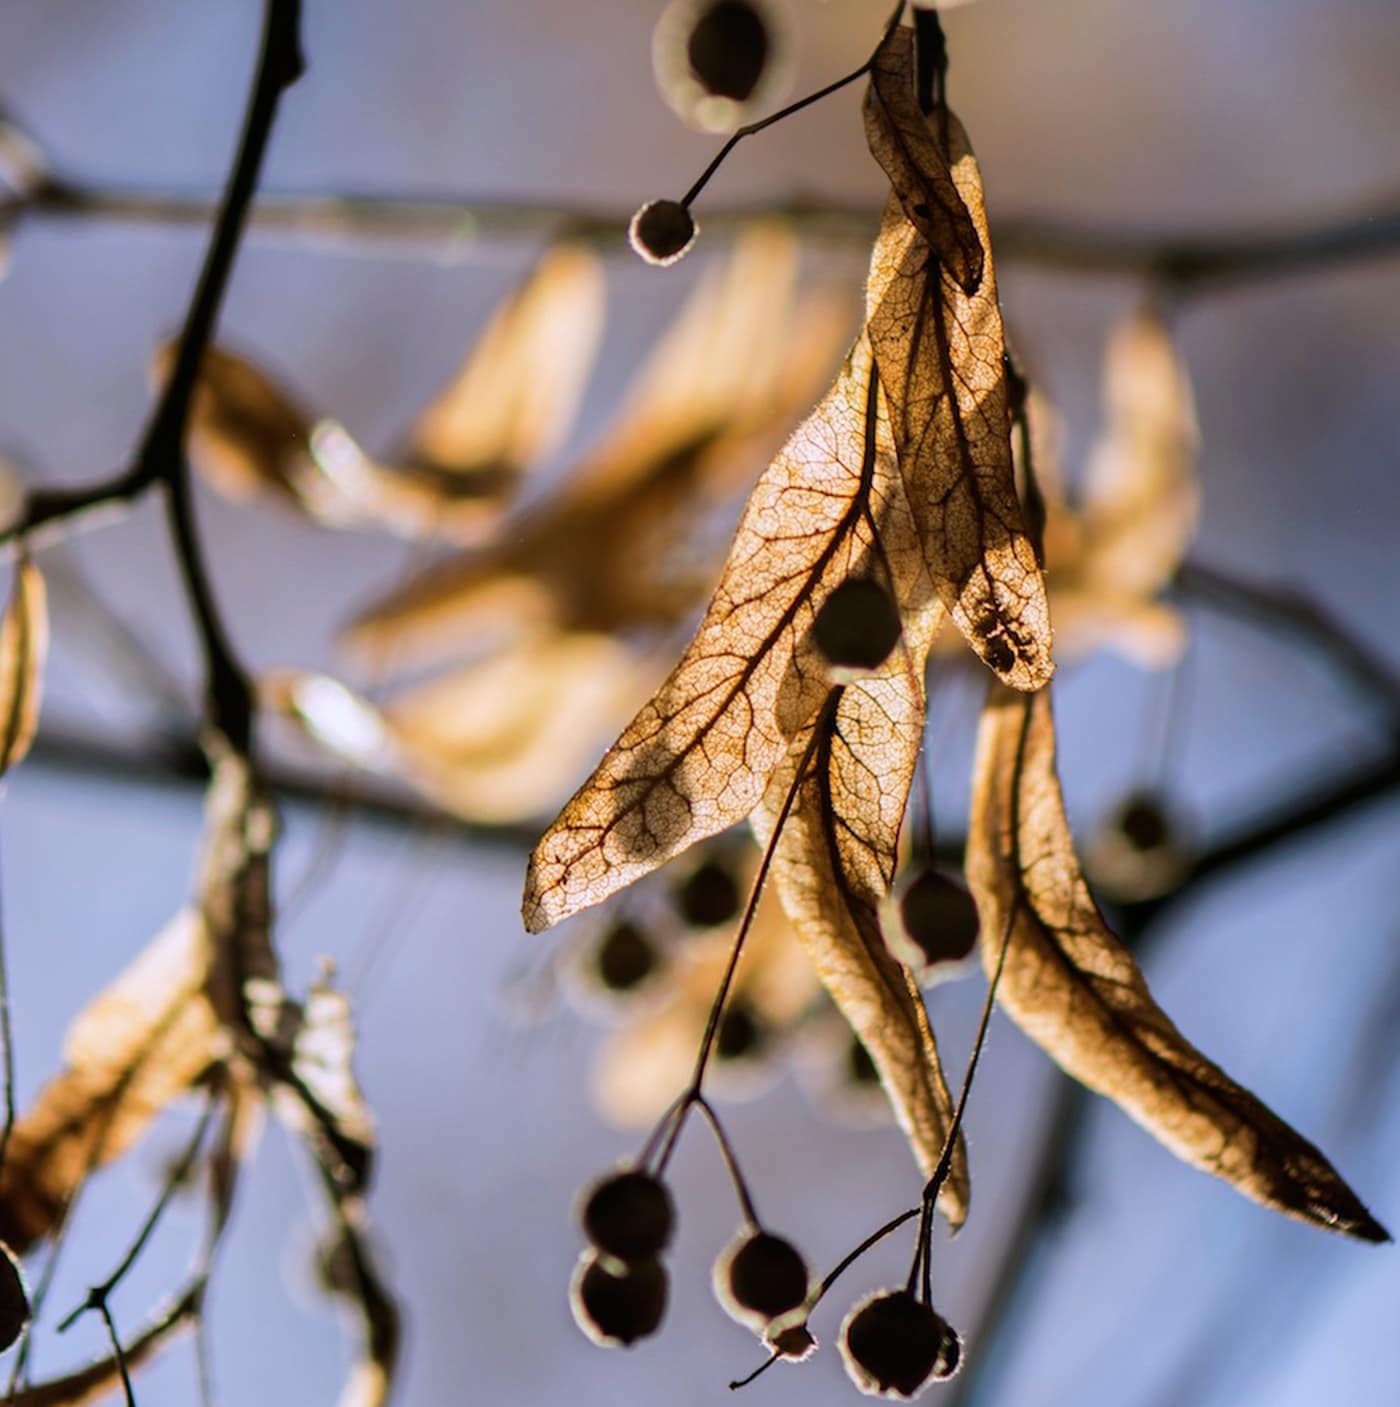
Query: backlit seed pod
[[709, 895], [616, 1306], [760, 1277], [629, 1215], [740, 1034], [728, 48], [661, 231], [623, 958], [717, 61], [894, 1346], [857, 625], [14, 1299], [1138, 852], [930, 923]]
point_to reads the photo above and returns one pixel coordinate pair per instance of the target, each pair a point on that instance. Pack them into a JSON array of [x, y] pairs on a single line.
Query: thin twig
[[750, 129], [118, 1353], [736, 950], [97, 1295], [450, 228]]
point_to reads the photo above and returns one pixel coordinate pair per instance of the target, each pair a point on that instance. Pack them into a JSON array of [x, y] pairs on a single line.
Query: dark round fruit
[[740, 1035], [624, 958], [939, 918], [857, 625], [661, 231], [629, 1215], [14, 1299], [709, 896], [728, 48], [1143, 822], [761, 1277], [894, 1346], [617, 1306]]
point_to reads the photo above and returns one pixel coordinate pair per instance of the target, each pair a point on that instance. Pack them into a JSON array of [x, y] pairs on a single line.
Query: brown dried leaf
[[624, 546], [1141, 492], [24, 644], [514, 398], [134, 1049], [500, 739], [838, 851], [940, 352], [834, 863], [248, 434], [1073, 987], [901, 140], [698, 757]]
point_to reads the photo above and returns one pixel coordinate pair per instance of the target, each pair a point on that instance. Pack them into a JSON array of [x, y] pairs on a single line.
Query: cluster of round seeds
[[620, 1287]]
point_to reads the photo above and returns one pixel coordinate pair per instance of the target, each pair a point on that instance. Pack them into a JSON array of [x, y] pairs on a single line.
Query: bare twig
[[1288, 610], [455, 228], [98, 1295]]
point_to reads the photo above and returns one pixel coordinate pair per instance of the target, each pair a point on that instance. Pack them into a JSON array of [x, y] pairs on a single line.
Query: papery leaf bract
[[1075, 989], [24, 644], [940, 354], [135, 1048]]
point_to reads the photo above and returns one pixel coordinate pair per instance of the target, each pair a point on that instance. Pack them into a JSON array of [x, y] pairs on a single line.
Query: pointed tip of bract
[[1366, 1228]]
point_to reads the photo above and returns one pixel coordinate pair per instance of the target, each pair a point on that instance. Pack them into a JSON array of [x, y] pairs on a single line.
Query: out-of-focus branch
[[453, 227], [1285, 609]]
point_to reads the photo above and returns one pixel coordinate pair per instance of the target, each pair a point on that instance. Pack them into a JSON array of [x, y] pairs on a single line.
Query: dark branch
[[438, 226]]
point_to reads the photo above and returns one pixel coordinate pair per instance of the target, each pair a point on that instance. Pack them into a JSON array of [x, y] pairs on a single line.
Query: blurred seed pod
[[1141, 851], [837, 1074], [929, 922], [741, 1034], [709, 894], [617, 1305], [616, 967], [644, 1063], [718, 61]]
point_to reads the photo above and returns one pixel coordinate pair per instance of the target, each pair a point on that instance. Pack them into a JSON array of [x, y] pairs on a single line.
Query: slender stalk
[[702, 1059], [741, 1186], [98, 1295], [118, 1353], [753, 128]]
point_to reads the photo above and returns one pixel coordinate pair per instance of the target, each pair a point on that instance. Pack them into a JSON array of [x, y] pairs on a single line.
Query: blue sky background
[[1163, 1287]]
